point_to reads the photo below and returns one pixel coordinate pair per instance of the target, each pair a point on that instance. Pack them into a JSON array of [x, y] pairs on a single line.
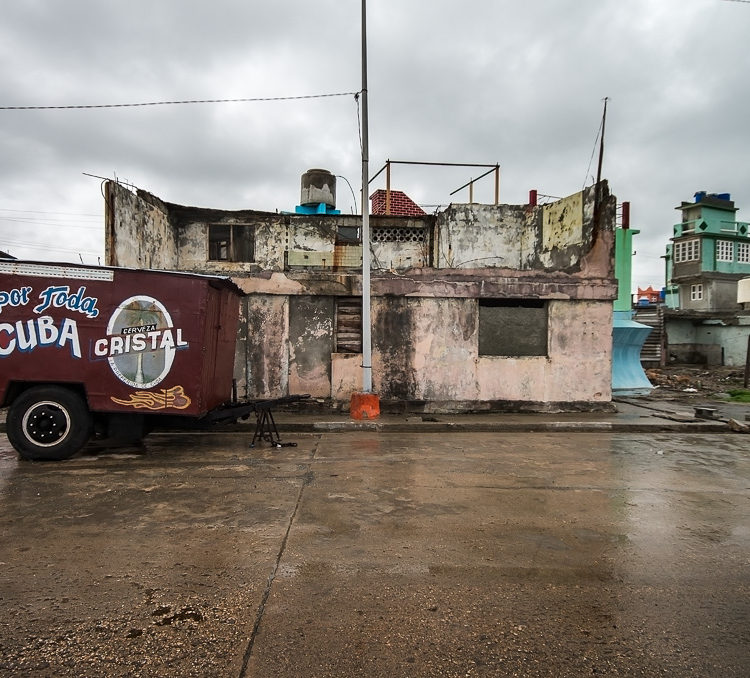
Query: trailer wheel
[[48, 423]]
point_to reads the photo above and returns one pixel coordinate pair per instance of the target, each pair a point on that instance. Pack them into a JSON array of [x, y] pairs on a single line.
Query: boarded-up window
[[347, 235], [348, 325], [512, 327], [231, 242]]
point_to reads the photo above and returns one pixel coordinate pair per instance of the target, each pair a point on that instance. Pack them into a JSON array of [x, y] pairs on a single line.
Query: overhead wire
[[94, 222], [593, 152], [19, 219], [178, 102], [40, 246], [72, 214]]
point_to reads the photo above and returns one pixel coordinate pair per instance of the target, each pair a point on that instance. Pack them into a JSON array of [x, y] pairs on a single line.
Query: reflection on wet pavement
[[380, 555]]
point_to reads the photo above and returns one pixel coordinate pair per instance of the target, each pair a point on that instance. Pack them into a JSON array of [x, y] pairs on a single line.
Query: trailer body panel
[[142, 342]]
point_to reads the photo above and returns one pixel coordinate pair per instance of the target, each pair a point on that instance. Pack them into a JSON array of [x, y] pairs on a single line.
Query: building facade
[[709, 252], [475, 307], [708, 255]]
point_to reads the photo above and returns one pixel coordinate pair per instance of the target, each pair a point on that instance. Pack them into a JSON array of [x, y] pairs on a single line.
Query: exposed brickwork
[[401, 204]]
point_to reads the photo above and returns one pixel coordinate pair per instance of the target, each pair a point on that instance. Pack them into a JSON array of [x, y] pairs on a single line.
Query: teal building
[[628, 336], [708, 253]]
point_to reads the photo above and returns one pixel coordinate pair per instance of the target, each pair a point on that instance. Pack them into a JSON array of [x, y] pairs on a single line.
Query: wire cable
[[73, 214], [593, 152], [177, 103], [359, 125]]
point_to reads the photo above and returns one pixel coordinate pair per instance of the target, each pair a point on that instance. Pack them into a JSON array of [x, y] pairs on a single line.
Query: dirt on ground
[[699, 381]]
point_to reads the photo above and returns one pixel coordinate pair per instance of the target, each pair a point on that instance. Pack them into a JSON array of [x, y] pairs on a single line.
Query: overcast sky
[[515, 82]]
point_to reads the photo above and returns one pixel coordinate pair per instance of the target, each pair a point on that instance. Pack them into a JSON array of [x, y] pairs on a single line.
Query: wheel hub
[[46, 423]]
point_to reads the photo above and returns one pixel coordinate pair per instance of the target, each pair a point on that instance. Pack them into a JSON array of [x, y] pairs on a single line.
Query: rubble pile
[[695, 379]]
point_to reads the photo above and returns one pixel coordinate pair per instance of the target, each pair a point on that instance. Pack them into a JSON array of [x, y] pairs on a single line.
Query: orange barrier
[[364, 406]]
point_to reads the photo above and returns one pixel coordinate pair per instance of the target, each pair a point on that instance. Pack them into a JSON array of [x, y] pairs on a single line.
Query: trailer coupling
[[265, 425]]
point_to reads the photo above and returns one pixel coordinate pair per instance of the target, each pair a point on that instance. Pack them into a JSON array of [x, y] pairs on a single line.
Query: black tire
[[48, 423]]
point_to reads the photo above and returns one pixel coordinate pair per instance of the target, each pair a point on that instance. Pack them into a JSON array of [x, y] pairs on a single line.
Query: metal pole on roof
[[366, 334]]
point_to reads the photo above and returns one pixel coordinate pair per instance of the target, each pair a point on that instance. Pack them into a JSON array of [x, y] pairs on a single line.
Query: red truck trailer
[[86, 348]]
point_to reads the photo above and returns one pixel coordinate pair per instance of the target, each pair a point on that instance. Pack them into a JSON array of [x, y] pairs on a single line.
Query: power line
[[10, 244], [177, 103], [73, 214], [95, 223]]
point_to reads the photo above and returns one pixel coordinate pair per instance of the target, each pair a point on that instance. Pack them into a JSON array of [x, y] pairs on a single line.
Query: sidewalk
[[635, 414], [638, 415]]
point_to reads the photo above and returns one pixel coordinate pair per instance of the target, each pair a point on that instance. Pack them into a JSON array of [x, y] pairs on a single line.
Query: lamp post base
[[364, 406]]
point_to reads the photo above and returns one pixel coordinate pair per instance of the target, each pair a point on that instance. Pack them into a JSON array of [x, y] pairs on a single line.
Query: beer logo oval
[[141, 342]]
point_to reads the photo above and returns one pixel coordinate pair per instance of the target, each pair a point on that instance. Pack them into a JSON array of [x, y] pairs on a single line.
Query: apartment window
[[743, 252], [231, 242], [696, 292], [687, 250], [512, 327], [724, 250]]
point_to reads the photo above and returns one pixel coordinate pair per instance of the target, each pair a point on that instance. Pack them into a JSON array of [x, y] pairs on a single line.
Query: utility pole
[[366, 321], [365, 405]]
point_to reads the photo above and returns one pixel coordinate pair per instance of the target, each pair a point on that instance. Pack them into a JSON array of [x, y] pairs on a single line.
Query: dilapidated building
[[474, 307]]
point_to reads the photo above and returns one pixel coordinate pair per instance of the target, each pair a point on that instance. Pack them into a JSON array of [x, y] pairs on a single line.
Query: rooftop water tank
[[318, 186]]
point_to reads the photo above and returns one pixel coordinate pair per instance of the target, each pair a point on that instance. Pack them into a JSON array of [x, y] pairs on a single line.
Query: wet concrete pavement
[[381, 554]]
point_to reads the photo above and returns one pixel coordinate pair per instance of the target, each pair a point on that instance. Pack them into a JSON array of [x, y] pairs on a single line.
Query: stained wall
[[429, 278]]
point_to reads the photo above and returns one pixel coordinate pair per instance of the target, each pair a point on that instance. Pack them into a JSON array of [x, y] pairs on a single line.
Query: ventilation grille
[[396, 234]]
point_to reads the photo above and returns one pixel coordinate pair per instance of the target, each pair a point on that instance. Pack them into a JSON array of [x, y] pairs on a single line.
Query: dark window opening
[[347, 235], [512, 327], [231, 242]]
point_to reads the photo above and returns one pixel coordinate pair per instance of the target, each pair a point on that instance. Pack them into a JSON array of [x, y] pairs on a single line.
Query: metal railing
[[470, 184]]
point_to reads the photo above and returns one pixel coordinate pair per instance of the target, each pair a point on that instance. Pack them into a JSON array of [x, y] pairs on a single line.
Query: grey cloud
[[484, 81]]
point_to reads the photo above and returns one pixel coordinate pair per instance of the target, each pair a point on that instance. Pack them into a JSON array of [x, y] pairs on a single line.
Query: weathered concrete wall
[[346, 375], [314, 234], [556, 237], [481, 236], [399, 256], [270, 237], [710, 342], [722, 294], [393, 341], [427, 349], [310, 345], [401, 243], [138, 232], [428, 277], [263, 350], [580, 352]]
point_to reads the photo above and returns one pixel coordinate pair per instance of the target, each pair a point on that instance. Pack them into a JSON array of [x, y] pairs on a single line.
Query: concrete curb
[[504, 427], [632, 417], [456, 427]]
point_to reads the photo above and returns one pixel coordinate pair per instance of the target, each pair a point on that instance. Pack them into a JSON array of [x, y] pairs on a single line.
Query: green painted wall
[[624, 267]]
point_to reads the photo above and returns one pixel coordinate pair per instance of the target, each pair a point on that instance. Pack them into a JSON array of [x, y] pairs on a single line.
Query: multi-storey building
[[708, 255]]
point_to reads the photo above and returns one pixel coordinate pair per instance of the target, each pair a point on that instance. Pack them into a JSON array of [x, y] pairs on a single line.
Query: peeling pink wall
[[346, 375], [439, 360], [425, 312]]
